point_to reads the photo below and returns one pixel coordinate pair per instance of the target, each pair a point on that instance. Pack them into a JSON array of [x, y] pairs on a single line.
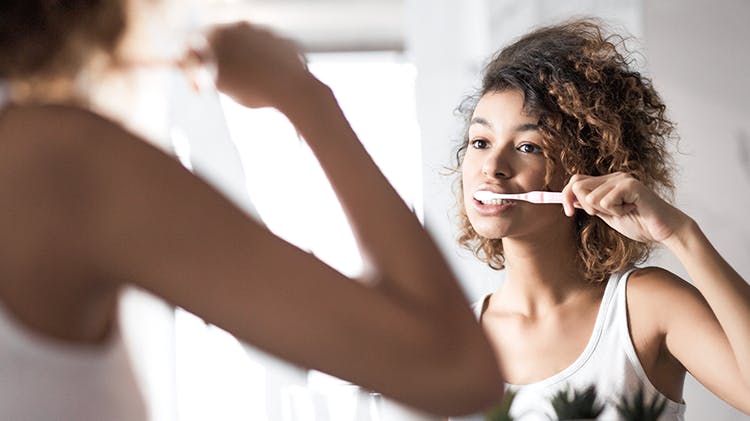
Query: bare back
[[44, 280]]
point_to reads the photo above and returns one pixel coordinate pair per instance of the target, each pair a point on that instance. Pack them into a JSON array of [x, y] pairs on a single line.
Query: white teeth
[[496, 202], [490, 198]]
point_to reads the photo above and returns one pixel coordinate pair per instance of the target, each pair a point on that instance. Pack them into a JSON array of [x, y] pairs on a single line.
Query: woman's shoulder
[[64, 156], [656, 280], [34, 136], [657, 290], [42, 122]]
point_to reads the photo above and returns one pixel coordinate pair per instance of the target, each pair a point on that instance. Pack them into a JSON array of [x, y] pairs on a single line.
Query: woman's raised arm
[[707, 328]]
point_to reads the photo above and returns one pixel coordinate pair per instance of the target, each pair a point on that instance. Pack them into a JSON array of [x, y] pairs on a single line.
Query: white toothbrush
[[532, 196]]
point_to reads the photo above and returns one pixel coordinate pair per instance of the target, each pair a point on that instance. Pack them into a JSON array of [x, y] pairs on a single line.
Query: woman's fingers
[[570, 200], [580, 188], [623, 197], [607, 195], [614, 197], [255, 66]]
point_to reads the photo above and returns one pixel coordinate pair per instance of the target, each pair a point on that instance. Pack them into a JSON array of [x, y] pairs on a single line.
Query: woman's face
[[504, 155]]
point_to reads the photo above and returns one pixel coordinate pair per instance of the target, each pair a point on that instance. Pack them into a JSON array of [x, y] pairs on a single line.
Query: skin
[[540, 320], [102, 209]]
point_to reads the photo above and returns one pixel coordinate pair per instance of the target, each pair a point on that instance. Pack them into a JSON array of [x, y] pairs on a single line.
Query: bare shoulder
[[56, 169], [57, 120], [61, 144], [55, 143], [658, 282], [59, 165], [44, 147], [661, 294]]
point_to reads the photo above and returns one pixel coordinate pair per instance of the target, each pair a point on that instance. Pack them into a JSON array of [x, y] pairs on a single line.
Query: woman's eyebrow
[[525, 127], [481, 121]]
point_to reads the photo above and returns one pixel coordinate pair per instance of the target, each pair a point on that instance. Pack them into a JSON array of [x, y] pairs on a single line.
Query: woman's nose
[[496, 165]]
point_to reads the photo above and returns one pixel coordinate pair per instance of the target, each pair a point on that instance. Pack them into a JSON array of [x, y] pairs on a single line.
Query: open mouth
[[494, 201], [487, 197], [493, 207]]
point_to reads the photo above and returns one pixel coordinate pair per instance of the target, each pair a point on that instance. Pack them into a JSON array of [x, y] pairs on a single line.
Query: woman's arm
[[410, 335], [718, 356], [707, 329], [377, 214], [383, 226]]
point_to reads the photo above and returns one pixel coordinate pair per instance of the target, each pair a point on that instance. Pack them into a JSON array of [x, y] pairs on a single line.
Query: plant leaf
[[502, 411], [573, 404]]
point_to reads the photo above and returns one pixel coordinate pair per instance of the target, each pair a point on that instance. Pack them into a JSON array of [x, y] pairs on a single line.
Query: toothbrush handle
[[544, 197]]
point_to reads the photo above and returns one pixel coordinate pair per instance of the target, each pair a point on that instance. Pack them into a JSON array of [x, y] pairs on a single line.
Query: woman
[[562, 110], [89, 208]]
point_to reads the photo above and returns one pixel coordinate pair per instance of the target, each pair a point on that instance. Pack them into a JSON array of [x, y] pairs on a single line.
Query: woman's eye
[[529, 148], [478, 143]]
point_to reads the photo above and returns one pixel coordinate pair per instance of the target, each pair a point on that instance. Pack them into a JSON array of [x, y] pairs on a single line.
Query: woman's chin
[[490, 232]]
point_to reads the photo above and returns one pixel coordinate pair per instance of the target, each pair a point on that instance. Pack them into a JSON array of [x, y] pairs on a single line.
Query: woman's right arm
[[716, 309], [408, 334]]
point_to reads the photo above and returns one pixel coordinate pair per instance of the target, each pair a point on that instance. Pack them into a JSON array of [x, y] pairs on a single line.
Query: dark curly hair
[[41, 39], [597, 115]]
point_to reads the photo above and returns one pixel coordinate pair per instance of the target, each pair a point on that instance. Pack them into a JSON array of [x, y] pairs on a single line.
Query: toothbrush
[[532, 196]]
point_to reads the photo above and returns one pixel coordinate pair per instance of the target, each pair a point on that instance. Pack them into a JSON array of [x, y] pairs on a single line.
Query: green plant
[[502, 411], [639, 409], [576, 404]]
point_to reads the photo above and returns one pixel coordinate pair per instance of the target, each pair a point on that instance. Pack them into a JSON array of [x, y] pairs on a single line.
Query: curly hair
[[597, 115], [45, 39]]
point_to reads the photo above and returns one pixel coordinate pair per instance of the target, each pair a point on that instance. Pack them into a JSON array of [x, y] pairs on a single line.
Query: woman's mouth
[[492, 207], [494, 201]]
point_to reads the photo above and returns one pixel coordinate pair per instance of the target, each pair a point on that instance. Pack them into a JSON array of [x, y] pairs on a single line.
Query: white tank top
[[609, 361], [46, 379]]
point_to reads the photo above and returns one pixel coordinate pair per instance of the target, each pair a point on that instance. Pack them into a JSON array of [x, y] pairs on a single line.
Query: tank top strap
[[613, 302], [622, 282], [639, 378]]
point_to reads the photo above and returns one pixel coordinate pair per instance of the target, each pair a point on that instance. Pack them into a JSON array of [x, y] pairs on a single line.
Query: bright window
[[218, 378]]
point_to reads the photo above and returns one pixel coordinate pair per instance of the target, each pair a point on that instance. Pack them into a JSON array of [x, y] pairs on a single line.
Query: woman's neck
[[541, 275]]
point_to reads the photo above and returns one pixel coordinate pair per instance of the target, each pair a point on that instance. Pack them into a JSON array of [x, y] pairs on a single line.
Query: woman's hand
[[625, 204], [256, 67]]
